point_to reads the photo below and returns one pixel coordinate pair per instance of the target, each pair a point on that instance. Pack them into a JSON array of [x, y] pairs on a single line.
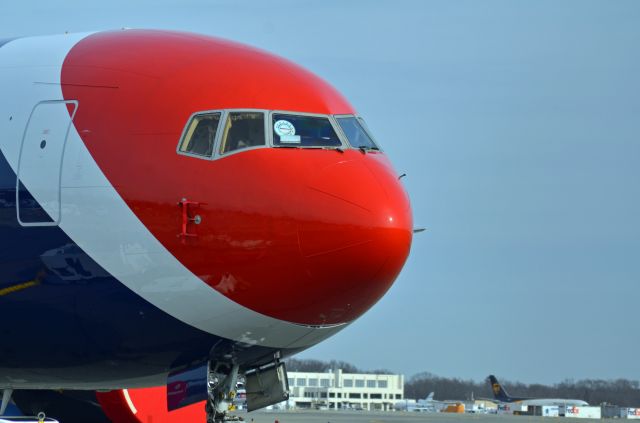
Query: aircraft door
[[38, 194]]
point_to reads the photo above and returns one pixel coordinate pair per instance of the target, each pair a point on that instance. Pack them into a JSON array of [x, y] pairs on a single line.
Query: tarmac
[[309, 416]]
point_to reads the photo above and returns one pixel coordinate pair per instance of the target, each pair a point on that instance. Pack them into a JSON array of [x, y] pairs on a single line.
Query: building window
[[376, 396], [371, 384], [365, 396], [359, 383], [323, 394], [301, 382], [324, 383], [291, 382], [332, 395], [348, 383], [313, 382], [354, 396], [382, 384], [398, 396]]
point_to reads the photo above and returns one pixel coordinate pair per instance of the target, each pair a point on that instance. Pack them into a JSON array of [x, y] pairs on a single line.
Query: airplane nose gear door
[[38, 195]]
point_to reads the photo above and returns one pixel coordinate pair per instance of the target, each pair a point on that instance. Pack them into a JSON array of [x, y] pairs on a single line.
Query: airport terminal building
[[338, 390]]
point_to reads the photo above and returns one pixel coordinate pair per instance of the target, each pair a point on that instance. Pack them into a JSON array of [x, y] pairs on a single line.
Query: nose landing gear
[[221, 384], [265, 384]]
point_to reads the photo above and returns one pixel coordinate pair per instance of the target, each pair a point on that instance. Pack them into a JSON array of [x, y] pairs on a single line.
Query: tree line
[[622, 392]]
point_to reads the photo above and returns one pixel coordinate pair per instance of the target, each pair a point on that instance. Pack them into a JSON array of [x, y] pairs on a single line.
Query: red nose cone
[[356, 240], [308, 236]]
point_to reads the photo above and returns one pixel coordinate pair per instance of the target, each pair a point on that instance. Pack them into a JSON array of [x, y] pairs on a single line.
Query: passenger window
[[201, 135], [242, 130]]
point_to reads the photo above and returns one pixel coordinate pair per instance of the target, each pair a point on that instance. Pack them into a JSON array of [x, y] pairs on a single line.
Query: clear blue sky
[[518, 124]]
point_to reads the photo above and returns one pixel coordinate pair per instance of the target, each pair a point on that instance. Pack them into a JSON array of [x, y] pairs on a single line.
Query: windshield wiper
[[338, 149], [364, 149]]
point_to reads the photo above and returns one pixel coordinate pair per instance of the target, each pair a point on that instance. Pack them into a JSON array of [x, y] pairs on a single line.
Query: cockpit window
[[201, 134], [303, 131], [355, 132], [242, 130]]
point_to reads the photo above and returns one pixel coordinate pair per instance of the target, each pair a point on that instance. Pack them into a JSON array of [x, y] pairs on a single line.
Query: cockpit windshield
[[303, 131], [200, 134], [355, 132], [242, 130], [213, 133]]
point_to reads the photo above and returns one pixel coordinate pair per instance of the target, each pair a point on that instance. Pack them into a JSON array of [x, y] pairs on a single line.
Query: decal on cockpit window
[[286, 131]]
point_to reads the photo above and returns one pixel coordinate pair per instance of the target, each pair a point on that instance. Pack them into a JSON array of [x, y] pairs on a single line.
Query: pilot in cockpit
[[203, 138]]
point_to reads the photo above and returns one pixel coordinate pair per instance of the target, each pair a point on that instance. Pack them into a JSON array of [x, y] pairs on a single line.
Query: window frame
[[186, 129], [332, 121], [364, 127]]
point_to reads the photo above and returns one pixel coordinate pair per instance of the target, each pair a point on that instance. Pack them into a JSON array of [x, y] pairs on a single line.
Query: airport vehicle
[[501, 395], [177, 210]]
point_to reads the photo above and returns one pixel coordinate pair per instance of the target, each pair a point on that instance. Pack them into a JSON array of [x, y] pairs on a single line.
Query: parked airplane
[[177, 210], [501, 395], [424, 405], [428, 405]]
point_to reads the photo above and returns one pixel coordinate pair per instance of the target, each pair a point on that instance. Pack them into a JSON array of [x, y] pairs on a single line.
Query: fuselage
[[134, 242], [501, 395]]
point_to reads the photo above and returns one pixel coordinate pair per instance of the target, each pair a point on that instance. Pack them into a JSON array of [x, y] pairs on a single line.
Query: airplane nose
[[357, 236]]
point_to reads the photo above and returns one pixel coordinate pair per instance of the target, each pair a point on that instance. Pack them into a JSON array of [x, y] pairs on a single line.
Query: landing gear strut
[[221, 385], [6, 397]]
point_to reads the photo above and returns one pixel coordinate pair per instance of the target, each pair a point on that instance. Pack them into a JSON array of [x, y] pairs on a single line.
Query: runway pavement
[[300, 416]]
